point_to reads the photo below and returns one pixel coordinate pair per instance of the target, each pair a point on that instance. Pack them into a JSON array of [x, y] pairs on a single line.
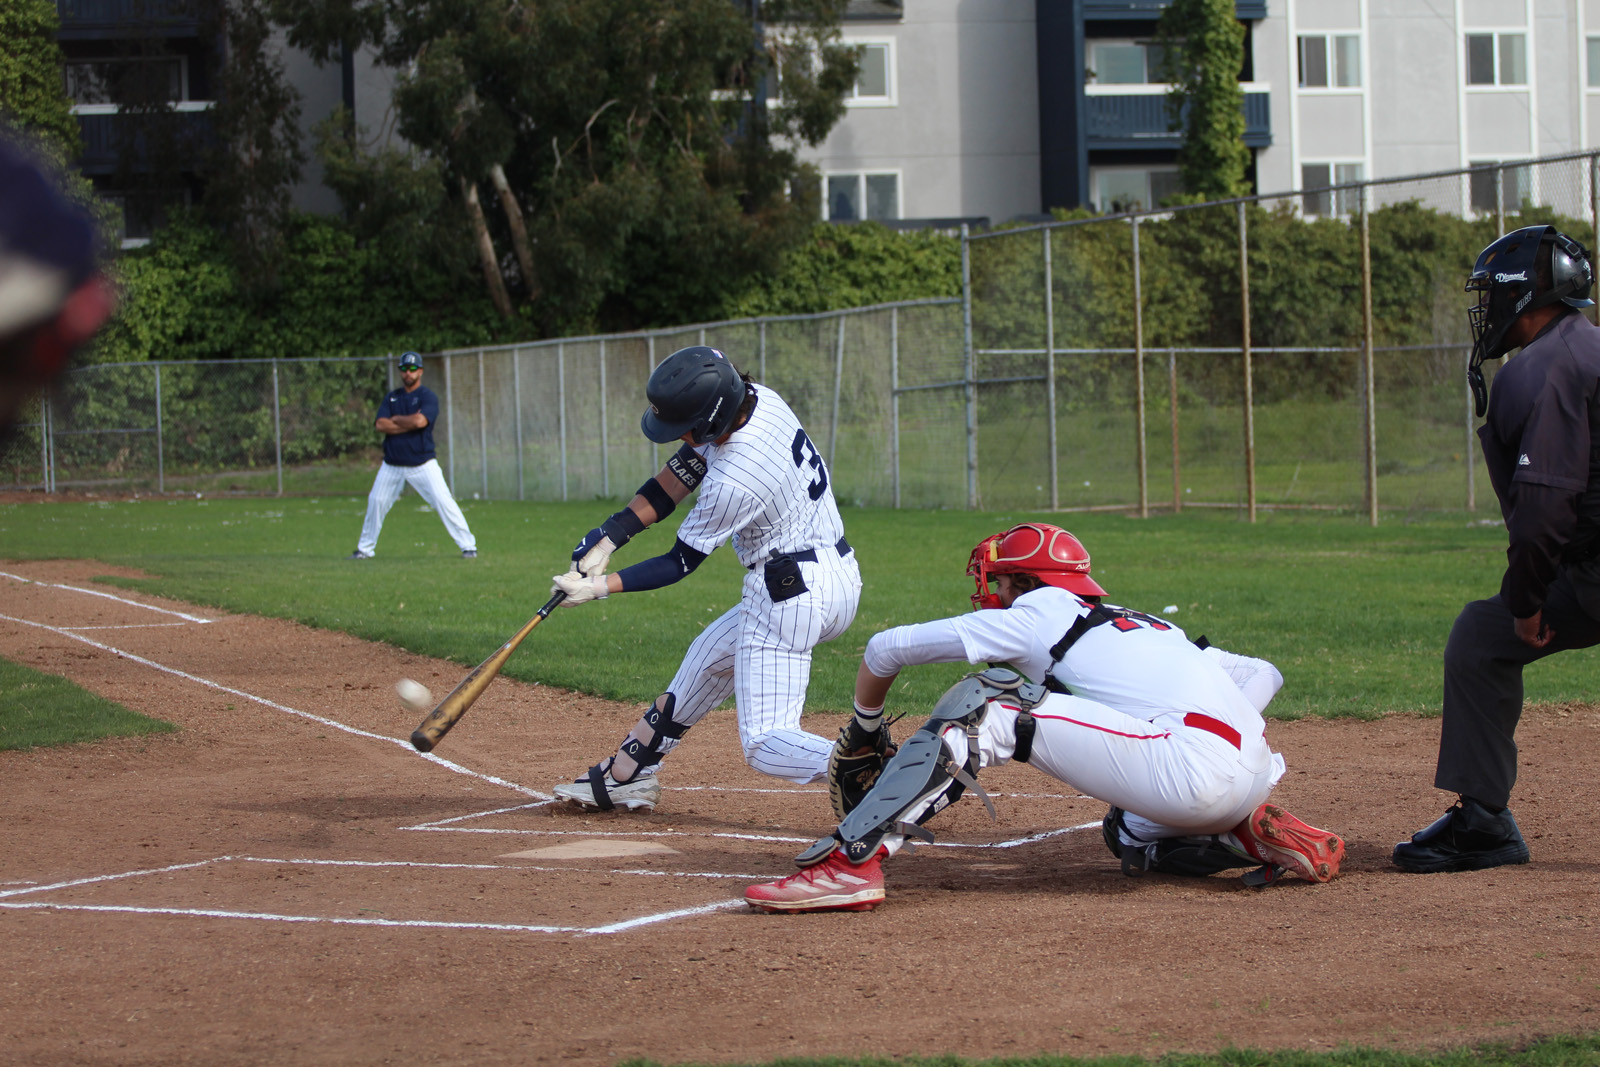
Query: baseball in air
[[414, 695]]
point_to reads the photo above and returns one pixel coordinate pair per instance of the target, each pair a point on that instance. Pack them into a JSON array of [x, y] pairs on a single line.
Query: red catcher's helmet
[[1048, 552]]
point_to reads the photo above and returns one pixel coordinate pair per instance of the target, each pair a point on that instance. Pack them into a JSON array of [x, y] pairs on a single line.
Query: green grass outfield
[[38, 710], [1546, 1052], [1356, 617]]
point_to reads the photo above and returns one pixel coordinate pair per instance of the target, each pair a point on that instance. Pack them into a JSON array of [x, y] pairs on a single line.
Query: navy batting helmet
[[1526, 269], [694, 391]]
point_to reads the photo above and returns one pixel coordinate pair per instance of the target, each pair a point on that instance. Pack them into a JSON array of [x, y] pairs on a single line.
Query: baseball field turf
[[1354, 616]]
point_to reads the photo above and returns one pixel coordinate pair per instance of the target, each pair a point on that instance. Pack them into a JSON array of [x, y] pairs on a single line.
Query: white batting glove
[[597, 559], [580, 588]]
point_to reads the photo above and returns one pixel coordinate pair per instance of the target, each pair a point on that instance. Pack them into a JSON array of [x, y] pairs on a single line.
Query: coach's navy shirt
[[414, 447]]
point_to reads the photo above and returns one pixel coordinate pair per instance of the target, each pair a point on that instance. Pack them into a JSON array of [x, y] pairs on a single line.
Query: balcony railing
[[1139, 119], [89, 19], [186, 133], [1150, 9]]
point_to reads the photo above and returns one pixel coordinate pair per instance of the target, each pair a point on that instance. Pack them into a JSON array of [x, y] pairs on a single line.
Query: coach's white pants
[[760, 653], [1172, 779], [428, 481]]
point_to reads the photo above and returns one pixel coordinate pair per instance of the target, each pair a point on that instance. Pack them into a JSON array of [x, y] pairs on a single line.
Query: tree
[[629, 135], [1203, 49], [257, 156], [32, 94]]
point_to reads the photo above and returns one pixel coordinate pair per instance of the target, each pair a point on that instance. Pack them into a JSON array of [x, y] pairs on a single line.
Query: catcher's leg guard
[[922, 778], [1198, 856]]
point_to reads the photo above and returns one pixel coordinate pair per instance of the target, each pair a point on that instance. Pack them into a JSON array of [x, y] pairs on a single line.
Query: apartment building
[[1001, 109]]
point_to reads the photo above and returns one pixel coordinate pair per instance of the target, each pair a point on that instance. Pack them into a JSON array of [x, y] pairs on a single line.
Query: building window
[[875, 81], [125, 81], [1497, 59], [1516, 187], [853, 197], [1594, 62], [1318, 198], [1121, 190], [1124, 63], [1330, 62]]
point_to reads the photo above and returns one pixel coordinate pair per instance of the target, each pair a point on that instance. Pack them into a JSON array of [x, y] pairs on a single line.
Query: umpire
[[1541, 443]]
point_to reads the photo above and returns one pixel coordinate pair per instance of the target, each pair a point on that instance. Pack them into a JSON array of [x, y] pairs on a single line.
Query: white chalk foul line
[[275, 706], [1013, 843], [108, 596]]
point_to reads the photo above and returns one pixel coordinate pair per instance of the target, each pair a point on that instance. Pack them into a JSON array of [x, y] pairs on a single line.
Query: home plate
[[592, 848]]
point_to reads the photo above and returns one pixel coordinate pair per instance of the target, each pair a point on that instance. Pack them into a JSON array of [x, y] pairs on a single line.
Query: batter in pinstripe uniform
[[762, 484]]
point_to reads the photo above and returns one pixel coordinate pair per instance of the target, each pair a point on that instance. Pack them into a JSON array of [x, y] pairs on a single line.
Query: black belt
[[809, 555]]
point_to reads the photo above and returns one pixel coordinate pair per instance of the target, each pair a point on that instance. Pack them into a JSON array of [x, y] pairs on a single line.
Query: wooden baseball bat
[[459, 699]]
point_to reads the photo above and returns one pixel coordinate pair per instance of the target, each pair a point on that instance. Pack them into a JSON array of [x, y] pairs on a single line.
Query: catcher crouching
[[1167, 731]]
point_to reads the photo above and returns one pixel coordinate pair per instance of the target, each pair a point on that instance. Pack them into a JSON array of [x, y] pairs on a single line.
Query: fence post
[[561, 410], [516, 417], [161, 463], [1050, 371], [1172, 399], [650, 355], [277, 424], [1249, 388], [483, 427], [605, 448], [1594, 218], [46, 474], [894, 399], [450, 422], [1369, 383], [968, 371], [1471, 411], [838, 383], [1499, 200], [1138, 375], [762, 348]]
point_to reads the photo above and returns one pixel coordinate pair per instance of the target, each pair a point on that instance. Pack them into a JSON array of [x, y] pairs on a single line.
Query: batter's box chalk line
[[332, 724], [107, 596], [7, 897]]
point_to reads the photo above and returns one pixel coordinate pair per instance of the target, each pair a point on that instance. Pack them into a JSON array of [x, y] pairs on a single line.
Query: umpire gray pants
[[1483, 663]]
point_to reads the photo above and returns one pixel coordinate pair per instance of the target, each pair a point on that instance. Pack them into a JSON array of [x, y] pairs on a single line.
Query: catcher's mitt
[[854, 764]]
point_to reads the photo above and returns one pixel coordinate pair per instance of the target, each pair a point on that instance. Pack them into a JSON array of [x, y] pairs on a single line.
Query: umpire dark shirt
[[1542, 446], [414, 447]]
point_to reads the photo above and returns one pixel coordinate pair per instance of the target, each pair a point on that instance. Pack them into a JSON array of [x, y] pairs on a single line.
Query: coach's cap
[[409, 360]]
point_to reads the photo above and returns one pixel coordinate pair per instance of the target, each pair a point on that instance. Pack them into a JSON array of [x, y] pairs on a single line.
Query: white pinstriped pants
[[760, 653], [428, 481]]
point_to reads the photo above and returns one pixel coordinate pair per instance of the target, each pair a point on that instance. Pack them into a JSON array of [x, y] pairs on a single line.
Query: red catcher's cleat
[[835, 884], [1275, 837]]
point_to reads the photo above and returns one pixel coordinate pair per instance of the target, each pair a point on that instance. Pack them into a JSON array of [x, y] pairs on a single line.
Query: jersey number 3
[[806, 453]]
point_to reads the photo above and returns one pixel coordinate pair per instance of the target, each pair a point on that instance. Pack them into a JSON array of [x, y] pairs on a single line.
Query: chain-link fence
[[1292, 350]]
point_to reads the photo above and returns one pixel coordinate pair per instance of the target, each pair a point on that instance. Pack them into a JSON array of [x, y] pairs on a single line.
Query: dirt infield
[[285, 881]]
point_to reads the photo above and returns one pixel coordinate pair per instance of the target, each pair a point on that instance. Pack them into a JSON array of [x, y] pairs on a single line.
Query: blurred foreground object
[[52, 296]]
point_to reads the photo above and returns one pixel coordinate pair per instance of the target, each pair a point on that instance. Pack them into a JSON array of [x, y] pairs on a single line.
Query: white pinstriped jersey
[[767, 488]]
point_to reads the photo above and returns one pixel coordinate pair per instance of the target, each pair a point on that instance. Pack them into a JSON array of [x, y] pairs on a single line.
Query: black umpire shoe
[[1468, 837]]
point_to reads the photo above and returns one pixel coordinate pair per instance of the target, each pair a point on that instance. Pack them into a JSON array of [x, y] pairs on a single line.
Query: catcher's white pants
[[1171, 777], [760, 653], [428, 480]]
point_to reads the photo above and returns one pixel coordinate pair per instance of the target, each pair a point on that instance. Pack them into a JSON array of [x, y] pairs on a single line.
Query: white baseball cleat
[[835, 884], [643, 792]]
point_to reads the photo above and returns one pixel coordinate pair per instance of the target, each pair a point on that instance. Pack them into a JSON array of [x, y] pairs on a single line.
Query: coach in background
[[52, 296], [406, 419], [1542, 446]]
